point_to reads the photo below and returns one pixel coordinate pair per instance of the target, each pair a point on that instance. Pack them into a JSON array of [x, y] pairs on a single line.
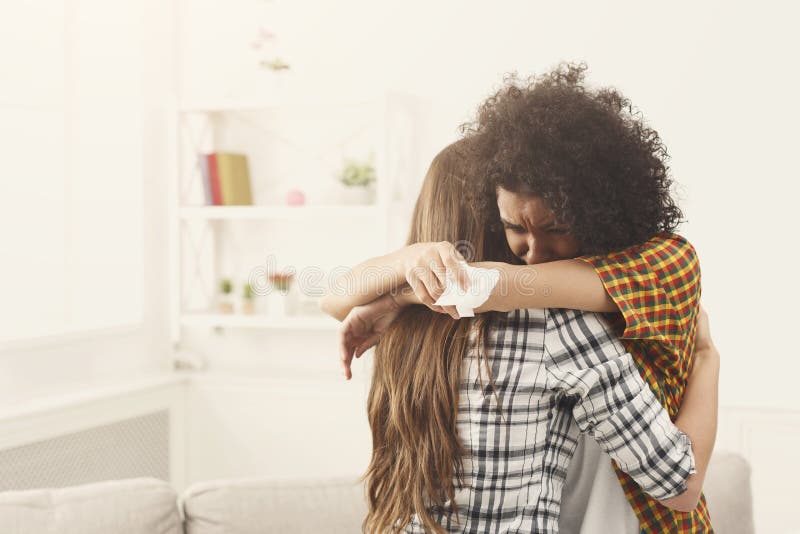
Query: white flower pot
[[357, 195], [276, 303]]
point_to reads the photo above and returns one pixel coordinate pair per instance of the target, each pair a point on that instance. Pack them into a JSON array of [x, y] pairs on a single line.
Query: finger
[[431, 283], [367, 344], [452, 311], [420, 290], [345, 351], [453, 261], [437, 267], [446, 310], [439, 309]]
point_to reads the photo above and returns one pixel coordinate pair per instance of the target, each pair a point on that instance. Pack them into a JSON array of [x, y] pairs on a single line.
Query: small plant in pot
[[358, 179], [225, 298], [277, 299], [281, 281], [248, 299]]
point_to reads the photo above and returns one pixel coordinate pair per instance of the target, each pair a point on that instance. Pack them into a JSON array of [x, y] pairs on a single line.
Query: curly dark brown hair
[[588, 153]]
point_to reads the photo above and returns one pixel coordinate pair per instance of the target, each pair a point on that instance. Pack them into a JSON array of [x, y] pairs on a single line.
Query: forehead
[[519, 207]]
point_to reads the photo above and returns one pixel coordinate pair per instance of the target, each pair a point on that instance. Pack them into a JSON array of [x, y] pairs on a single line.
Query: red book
[[213, 175]]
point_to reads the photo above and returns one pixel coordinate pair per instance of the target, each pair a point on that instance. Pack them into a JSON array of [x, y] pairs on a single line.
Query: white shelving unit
[[279, 212], [194, 130], [211, 320]]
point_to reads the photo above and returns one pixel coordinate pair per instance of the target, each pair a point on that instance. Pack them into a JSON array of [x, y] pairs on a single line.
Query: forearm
[[364, 283], [697, 416], [572, 284], [697, 419]]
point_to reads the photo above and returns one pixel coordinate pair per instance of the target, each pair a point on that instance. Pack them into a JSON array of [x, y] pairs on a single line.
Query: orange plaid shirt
[[656, 285]]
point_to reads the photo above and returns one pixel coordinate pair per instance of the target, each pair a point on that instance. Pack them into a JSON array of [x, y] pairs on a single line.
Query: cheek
[[516, 242], [567, 247]]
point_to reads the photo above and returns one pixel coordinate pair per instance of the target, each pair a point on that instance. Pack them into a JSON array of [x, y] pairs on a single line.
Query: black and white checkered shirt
[[557, 373]]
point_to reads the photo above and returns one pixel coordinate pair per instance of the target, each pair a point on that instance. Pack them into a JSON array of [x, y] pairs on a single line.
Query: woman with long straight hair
[[427, 367]]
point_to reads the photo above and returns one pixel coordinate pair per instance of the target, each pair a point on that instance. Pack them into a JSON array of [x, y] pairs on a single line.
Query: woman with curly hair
[[588, 162], [579, 185]]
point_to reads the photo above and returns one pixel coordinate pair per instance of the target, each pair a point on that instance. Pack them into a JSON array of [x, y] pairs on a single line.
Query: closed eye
[[559, 231], [514, 228]]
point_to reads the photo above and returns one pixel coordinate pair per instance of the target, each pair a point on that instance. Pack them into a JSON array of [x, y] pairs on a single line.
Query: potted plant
[[248, 299], [358, 179], [225, 298], [279, 295]]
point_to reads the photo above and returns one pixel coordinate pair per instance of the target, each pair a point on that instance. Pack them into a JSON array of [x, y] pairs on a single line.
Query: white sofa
[[261, 506]]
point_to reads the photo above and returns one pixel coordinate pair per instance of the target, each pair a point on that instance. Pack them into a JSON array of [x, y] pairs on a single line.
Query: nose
[[538, 252]]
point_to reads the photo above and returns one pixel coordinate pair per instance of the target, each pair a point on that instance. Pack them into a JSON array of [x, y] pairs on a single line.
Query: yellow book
[[234, 179]]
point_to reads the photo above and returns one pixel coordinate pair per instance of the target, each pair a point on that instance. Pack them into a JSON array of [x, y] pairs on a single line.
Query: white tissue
[[481, 284]]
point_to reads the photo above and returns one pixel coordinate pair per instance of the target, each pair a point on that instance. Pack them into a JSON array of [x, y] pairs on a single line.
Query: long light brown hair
[[413, 399]]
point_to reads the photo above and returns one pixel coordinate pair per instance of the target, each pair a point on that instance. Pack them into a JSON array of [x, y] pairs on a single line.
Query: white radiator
[[135, 431], [136, 447]]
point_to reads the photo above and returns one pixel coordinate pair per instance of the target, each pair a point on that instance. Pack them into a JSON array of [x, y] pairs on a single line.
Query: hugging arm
[[613, 404], [697, 416], [417, 273], [570, 284], [364, 283]]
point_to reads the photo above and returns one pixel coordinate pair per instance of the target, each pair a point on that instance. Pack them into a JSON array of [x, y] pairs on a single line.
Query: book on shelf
[[202, 162], [226, 177]]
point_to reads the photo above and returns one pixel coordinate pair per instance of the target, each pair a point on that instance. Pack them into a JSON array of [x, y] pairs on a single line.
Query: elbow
[[327, 306], [323, 305]]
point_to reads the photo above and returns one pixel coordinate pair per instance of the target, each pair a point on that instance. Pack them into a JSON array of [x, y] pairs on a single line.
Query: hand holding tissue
[[481, 282]]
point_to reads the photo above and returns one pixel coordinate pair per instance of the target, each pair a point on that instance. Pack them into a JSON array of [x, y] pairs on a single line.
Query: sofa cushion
[[263, 506], [136, 506], [728, 493]]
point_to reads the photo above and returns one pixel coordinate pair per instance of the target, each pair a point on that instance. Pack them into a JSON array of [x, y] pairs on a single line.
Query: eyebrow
[[549, 226], [509, 223]]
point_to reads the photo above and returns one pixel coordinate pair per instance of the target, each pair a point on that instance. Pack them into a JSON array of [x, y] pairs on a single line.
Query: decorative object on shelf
[[276, 64], [278, 304], [358, 178], [262, 44], [295, 197], [248, 299], [225, 299], [226, 179], [281, 281], [202, 161]]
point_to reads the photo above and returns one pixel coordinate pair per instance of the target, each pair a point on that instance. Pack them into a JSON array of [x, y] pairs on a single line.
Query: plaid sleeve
[[589, 366], [656, 286]]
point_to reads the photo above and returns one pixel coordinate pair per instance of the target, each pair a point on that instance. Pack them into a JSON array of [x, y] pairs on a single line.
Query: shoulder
[[673, 260], [572, 333], [671, 248]]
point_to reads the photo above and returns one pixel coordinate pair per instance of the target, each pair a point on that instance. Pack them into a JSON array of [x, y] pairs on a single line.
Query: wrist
[[404, 296], [400, 258], [498, 298]]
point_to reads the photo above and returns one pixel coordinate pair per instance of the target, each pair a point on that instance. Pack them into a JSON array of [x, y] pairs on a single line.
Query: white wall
[[72, 363], [714, 78]]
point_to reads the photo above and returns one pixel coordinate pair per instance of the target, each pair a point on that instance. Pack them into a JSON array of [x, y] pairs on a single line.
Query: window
[[71, 157]]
